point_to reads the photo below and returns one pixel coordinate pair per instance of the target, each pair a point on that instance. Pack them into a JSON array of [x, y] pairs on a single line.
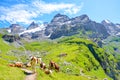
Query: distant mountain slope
[[15, 29], [112, 29]]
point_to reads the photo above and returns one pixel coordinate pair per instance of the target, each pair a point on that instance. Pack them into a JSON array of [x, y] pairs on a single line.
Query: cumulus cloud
[[51, 7], [25, 13], [17, 13], [74, 9]]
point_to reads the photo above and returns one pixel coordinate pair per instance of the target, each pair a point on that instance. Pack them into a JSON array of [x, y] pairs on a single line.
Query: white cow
[[34, 61]]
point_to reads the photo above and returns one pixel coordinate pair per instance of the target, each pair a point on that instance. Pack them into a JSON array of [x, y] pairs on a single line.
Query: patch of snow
[[68, 22], [117, 25], [107, 21], [49, 35], [40, 28], [9, 30], [17, 26], [118, 34]]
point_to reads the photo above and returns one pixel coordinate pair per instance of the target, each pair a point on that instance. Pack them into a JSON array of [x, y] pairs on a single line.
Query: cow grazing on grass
[[11, 65], [47, 71], [54, 65], [18, 64], [51, 64], [34, 60], [42, 65]]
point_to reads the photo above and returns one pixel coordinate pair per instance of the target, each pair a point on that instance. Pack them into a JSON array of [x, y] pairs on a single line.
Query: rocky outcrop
[[32, 25], [59, 18], [10, 38], [15, 29], [112, 29]]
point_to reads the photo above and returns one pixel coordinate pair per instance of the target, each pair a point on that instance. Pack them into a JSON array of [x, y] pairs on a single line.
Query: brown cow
[[51, 64], [11, 65], [18, 64], [47, 71], [54, 65], [42, 65]]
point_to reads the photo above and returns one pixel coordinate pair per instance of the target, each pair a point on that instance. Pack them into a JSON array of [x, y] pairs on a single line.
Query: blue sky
[[26, 11]]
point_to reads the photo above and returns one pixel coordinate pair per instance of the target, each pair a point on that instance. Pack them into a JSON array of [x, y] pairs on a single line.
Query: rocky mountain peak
[[112, 28], [106, 22], [14, 25], [32, 25], [60, 18], [15, 28], [83, 18], [58, 15]]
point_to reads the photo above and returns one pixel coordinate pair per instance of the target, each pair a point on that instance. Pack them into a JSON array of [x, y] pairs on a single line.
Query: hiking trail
[[29, 74]]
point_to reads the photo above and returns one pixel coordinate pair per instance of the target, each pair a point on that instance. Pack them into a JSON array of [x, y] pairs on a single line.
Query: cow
[[11, 65], [54, 65], [42, 65], [34, 60], [51, 64], [18, 64], [48, 71]]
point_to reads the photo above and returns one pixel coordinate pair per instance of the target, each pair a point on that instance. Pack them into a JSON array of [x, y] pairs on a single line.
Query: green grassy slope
[[8, 73], [112, 45], [83, 59], [79, 58]]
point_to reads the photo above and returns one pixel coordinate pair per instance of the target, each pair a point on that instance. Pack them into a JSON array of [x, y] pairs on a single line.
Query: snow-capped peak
[[107, 21], [39, 28], [9, 30]]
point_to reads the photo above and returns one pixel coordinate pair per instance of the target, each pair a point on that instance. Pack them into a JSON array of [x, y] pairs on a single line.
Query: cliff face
[[10, 38]]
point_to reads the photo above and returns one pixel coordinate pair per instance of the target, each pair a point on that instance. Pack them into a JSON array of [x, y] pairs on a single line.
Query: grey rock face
[[64, 26], [32, 25], [112, 29], [16, 28]]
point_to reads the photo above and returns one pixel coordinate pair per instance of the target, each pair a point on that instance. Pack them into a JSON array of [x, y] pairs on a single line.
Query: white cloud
[[74, 9], [51, 7], [24, 13], [17, 13]]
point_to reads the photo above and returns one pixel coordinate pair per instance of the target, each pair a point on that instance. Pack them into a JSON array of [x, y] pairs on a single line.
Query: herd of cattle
[[34, 61]]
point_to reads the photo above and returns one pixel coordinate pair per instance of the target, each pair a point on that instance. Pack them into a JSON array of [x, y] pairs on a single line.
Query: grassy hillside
[[79, 58], [83, 59], [8, 73], [112, 46]]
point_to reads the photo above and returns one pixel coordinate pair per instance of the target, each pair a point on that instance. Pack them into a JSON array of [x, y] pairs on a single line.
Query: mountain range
[[62, 25]]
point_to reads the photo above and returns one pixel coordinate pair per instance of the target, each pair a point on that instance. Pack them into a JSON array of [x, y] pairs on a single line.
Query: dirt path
[[29, 74]]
